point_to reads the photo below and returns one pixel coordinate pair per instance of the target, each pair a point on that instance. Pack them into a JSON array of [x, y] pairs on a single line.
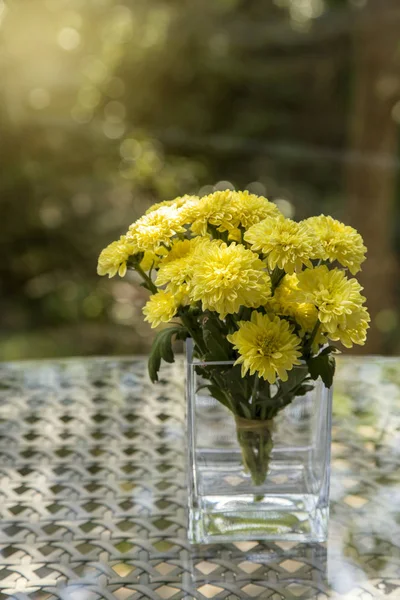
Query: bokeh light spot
[[39, 98], [81, 114], [68, 38], [396, 112], [286, 207], [95, 70], [256, 187], [127, 169], [224, 185], [130, 149], [387, 87], [50, 215], [122, 312], [115, 111], [205, 190], [81, 204], [89, 96], [113, 130], [3, 10]]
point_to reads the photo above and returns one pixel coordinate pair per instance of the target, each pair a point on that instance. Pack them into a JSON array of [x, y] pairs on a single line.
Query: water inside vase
[[290, 504]]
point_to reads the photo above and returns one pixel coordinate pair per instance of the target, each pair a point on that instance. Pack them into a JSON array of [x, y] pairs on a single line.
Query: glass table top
[[93, 497]]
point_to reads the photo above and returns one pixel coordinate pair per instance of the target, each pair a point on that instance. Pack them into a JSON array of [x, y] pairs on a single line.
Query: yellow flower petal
[[266, 346]]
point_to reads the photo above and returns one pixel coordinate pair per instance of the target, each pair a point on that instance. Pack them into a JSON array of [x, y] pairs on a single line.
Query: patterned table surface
[[92, 493]]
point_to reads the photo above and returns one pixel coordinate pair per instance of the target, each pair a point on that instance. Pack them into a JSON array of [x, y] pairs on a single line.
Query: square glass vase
[[250, 480]]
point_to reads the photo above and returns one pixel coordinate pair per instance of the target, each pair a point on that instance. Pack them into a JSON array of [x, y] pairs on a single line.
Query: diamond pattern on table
[[209, 591], [291, 565], [253, 590], [93, 495], [298, 589], [166, 591], [206, 567], [123, 569], [165, 568], [249, 567], [245, 546], [122, 593], [162, 524]]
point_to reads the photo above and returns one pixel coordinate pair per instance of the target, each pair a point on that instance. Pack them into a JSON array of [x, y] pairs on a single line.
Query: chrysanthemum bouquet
[[251, 286]]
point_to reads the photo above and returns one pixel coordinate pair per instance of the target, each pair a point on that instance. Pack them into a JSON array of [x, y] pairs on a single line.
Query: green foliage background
[[107, 106]]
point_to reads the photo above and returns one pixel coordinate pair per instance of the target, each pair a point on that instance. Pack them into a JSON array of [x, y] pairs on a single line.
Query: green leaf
[[322, 366], [303, 389], [162, 349], [217, 345], [295, 377], [330, 350], [219, 395], [215, 351], [246, 410], [235, 383]]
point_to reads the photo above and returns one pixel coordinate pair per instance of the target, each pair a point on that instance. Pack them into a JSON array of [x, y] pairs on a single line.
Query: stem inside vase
[[256, 443]]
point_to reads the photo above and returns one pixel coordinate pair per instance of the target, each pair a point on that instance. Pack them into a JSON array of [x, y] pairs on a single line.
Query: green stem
[[276, 277], [198, 340], [231, 322], [290, 395], [254, 396], [149, 282], [308, 347]]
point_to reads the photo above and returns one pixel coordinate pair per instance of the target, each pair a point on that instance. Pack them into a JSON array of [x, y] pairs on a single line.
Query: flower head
[[355, 329], [250, 209], [176, 268], [150, 260], [113, 259], [266, 346], [334, 296], [161, 307], [230, 211], [215, 209], [227, 277], [156, 229], [285, 243], [339, 242], [176, 203], [284, 302]]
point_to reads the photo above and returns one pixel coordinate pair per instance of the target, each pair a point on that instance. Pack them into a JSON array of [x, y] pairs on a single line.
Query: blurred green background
[[108, 106]]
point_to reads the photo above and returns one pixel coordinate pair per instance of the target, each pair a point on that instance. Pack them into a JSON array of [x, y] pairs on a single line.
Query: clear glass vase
[[251, 479]]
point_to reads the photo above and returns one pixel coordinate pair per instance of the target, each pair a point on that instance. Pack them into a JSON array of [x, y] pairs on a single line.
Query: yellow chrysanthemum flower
[[250, 209], [354, 331], [285, 243], [339, 242], [150, 260], [113, 259], [334, 296], [230, 211], [266, 346], [161, 307], [176, 203], [228, 277], [153, 230], [181, 249], [215, 209], [176, 268], [284, 303]]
